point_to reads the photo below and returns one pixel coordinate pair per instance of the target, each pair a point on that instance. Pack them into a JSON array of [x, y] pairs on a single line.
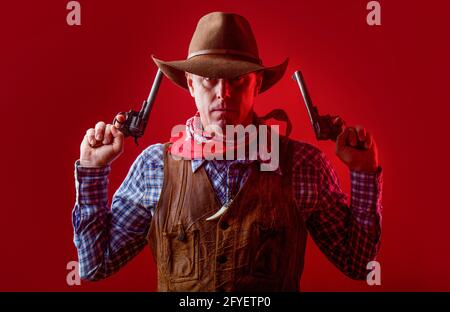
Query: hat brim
[[219, 66]]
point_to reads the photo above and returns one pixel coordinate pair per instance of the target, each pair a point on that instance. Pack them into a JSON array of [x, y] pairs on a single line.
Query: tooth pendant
[[221, 211]]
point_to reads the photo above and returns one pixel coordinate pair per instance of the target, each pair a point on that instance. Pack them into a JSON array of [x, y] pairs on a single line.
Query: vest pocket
[[180, 255]]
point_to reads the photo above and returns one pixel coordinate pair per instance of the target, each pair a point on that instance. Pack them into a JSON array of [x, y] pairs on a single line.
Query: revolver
[[136, 122], [322, 124]]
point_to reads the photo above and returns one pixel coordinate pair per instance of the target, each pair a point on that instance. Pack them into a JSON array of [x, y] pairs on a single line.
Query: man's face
[[222, 102]]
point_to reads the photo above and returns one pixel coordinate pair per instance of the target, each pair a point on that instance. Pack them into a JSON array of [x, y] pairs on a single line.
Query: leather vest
[[258, 244]]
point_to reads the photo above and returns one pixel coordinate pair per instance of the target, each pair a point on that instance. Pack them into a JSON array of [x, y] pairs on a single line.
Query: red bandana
[[195, 143]]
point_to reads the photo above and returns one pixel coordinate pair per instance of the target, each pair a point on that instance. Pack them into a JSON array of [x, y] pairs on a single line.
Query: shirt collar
[[197, 163]]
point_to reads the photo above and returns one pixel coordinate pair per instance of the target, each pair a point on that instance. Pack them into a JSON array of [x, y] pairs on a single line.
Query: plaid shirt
[[106, 239]]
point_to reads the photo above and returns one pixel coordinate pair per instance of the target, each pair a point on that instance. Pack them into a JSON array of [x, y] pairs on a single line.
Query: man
[[258, 241]]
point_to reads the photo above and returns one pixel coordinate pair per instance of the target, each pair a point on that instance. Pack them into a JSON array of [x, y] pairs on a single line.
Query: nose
[[223, 89]]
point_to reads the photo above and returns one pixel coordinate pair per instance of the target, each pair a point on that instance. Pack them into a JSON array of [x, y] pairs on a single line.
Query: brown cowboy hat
[[223, 46]]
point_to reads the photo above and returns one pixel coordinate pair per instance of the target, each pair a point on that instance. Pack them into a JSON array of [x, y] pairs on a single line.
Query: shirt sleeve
[[347, 232], [106, 237]]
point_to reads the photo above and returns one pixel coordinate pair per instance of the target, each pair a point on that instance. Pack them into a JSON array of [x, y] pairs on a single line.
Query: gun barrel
[[308, 103], [151, 97]]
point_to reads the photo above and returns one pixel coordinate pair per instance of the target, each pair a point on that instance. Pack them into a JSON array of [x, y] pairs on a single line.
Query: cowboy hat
[[223, 46]]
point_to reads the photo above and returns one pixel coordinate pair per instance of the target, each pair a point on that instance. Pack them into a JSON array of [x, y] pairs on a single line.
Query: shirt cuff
[[366, 190], [91, 172], [91, 184]]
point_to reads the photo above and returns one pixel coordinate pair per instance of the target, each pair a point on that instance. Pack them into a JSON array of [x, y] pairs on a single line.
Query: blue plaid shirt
[[107, 238]]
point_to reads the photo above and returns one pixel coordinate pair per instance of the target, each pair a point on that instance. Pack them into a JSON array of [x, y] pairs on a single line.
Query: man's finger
[[107, 138], [352, 137], [85, 140], [99, 130], [369, 140], [342, 138], [115, 132], [118, 138], [90, 135], [361, 131], [119, 120]]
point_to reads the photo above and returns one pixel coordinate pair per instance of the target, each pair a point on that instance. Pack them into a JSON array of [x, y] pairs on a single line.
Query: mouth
[[222, 109]]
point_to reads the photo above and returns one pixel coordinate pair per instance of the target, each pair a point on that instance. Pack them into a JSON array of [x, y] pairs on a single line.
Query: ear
[[190, 83]]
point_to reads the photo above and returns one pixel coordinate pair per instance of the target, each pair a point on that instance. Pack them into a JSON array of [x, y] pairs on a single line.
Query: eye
[[238, 79], [209, 82]]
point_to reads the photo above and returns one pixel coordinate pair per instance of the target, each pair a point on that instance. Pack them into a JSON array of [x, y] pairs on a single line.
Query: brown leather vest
[[258, 244]]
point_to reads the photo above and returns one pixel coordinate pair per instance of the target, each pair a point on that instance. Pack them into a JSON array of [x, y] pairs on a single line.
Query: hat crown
[[224, 33]]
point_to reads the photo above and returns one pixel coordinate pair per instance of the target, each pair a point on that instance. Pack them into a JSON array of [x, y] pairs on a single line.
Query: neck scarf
[[196, 143]]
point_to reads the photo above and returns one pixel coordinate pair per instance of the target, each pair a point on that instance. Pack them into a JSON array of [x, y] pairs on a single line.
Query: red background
[[58, 80]]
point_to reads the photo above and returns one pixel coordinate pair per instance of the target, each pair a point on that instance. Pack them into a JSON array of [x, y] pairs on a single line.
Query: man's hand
[[366, 159], [103, 144]]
